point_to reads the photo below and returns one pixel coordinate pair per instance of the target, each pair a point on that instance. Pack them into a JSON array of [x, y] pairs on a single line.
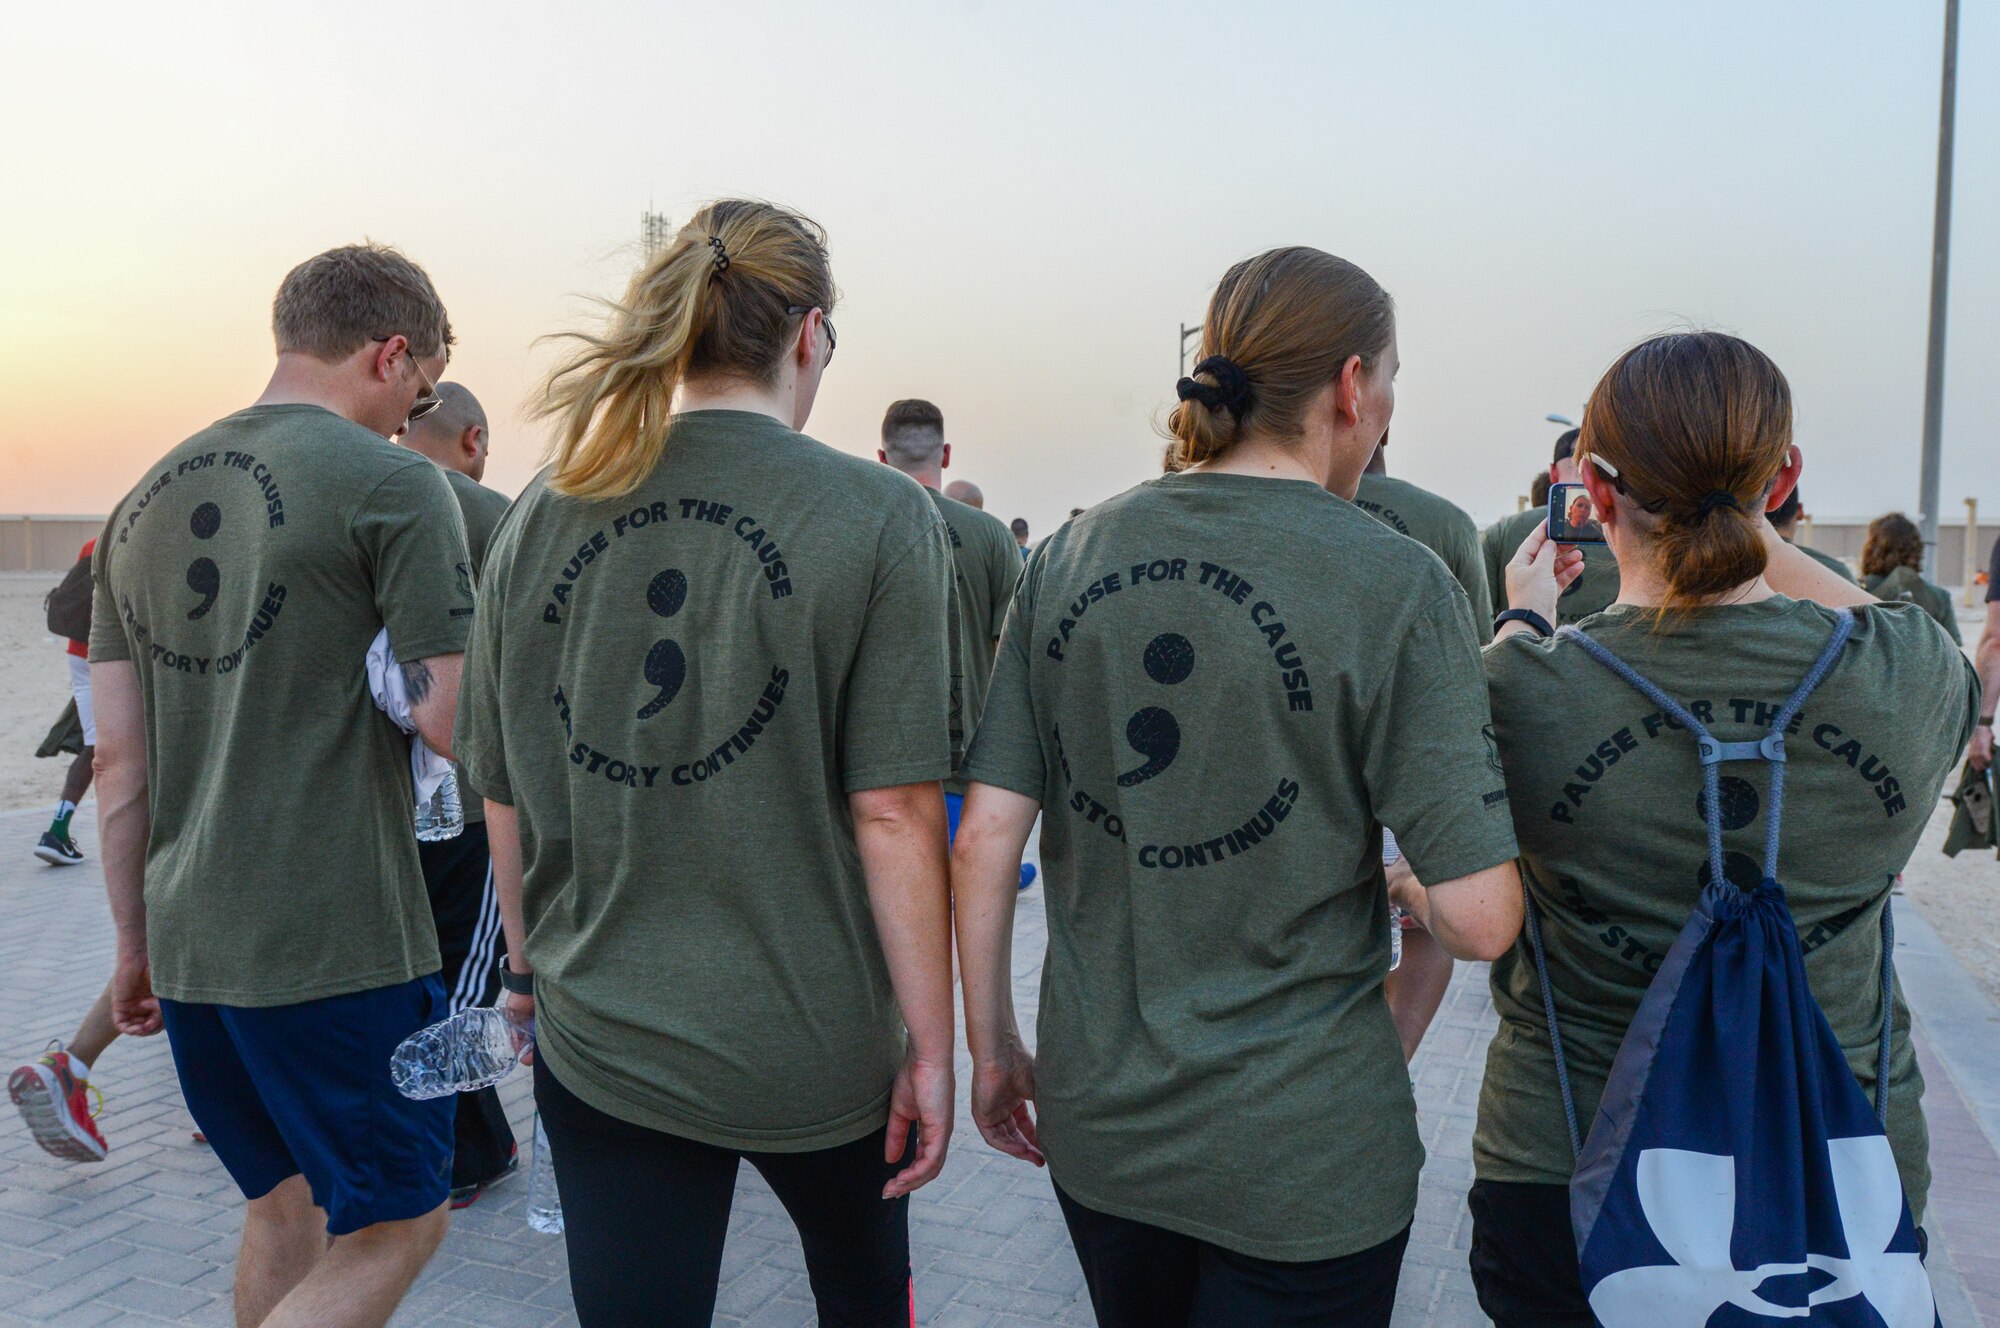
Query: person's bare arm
[[124, 825], [1415, 988], [503, 845], [1473, 917], [901, 836], [993, 829], [1986, 658], [433, 687]]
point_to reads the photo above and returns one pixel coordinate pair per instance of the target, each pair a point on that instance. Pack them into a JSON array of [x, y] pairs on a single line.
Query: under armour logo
[[1690, 1202]]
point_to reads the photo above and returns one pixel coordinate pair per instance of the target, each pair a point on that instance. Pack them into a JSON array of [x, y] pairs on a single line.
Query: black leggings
[[1143, 1276], [645, 1213]]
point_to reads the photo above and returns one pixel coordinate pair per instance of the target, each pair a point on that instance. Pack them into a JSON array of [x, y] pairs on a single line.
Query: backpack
[[1734, 1160], [68, 605]]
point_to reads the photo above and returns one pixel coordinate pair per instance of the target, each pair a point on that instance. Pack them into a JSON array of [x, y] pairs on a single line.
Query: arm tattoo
[[417, 681]]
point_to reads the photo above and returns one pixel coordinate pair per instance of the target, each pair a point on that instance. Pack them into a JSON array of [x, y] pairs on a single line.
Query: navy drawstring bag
[[1735, 1172]]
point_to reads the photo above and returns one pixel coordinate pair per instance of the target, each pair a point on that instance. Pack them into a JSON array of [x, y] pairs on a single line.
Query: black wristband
[[1985, 721], [1528, 616], [520, 984]]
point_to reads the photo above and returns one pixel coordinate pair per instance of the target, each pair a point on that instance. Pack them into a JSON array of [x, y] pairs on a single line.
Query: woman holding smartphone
[[709, 711], [1687, 442], [1215, 687]]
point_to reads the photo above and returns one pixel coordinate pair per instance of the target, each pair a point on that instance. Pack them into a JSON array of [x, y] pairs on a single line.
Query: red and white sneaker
[[56, 1105]]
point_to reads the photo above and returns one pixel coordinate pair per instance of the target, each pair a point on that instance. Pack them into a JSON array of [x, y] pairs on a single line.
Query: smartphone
[[1572, 518]]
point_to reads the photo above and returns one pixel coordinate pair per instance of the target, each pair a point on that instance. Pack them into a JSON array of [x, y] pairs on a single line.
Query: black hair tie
[[721, 253], [1720, 498], [1231, 391]]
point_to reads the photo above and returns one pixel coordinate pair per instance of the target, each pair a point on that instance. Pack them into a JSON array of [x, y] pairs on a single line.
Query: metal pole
[[1971, 552], [1186, 332], [1927, 497]]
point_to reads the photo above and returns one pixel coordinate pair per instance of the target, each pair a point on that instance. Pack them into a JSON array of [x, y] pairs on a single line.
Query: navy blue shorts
[[287, 1090]]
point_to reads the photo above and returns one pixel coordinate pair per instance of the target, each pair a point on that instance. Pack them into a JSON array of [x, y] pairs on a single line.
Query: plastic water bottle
[[544, 1200], [1389, 855], [443, 817], [472, 1049]]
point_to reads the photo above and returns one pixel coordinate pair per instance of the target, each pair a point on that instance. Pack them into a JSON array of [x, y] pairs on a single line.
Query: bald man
[[965, 491], [458, 872]]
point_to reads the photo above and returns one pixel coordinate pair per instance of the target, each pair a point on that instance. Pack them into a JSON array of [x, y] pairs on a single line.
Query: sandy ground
[[1961, 896]]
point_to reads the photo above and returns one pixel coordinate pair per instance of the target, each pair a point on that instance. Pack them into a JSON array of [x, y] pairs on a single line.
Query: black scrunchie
[[721, 254], [1231, 391], [1720, 498]]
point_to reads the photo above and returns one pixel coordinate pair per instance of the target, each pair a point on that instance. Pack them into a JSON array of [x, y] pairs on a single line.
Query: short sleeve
[[1469, 566], [412, 540], [1007, 750], [1430, 759], [107, 632], [1004, 566], [478, 737], [1495, 559], [897, 712]]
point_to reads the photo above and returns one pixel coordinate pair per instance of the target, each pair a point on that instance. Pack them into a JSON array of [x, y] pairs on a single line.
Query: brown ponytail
[[1289, 320], [714, 302], [1698, 425]]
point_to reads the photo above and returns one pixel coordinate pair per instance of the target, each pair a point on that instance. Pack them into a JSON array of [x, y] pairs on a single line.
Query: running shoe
[[58, 850], [464, 1196], [56, 1105]]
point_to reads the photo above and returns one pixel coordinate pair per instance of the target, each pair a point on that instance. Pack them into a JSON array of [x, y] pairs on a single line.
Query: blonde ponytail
[[718, 301]]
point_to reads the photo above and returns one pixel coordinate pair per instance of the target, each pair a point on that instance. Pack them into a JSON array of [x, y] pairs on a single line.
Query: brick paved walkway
[[149, 1237]]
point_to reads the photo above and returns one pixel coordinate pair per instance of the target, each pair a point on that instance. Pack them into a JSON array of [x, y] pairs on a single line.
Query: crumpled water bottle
[[443, 817], [544, 1200], [472, 1049], [1389, 855]]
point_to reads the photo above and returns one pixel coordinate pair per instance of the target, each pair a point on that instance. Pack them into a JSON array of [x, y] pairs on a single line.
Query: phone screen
[[1572, 518]]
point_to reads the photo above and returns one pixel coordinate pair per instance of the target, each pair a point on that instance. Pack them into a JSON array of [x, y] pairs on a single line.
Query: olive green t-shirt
[[1614, 848], [1440, 526], [987, 563], [1590, 593], [1908, 586], [676, 691], [1218, 686], [482, 509], [1826, 560], [245, 577]]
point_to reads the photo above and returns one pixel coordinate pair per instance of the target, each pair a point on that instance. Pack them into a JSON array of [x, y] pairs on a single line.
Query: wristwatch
[[520, 984], [1528, 616]]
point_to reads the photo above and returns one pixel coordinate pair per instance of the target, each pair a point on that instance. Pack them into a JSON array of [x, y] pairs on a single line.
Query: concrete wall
[[44, 543]]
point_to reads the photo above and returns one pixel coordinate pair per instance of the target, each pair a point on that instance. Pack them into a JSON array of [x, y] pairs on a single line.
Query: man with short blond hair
[[256, 807], [965, 491]]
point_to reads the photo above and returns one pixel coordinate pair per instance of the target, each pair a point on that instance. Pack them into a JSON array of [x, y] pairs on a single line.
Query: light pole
[[1927, 492], [1187, 332], [1563, 420]]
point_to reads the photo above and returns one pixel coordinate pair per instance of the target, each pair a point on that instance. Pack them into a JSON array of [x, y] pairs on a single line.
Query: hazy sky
[[1024, 202]]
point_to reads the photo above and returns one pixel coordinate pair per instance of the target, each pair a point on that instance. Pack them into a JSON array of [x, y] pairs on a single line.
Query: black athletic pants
[[1143, 1276], [645, 1213], [1524, 1256], [458, 873]]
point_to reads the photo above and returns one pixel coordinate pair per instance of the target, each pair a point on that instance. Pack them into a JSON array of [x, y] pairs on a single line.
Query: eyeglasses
[[430, 400], [1657, 506], [832, 341]]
